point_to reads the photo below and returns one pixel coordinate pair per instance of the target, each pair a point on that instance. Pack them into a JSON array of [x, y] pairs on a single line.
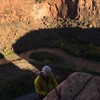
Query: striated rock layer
[[78, 86]]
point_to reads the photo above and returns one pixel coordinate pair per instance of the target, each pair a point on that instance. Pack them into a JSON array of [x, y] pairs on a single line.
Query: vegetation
[[85, 50], [1, 56], [72, 41], [39, 1], [67, 22], [16, 86], [44, 56], [66, 71]]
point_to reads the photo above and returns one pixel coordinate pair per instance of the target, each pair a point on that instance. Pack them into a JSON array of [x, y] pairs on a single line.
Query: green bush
[[1, 56], [66, 39], [90, 51], [13, 87], [43, 56], [77, 48], [39, 1]]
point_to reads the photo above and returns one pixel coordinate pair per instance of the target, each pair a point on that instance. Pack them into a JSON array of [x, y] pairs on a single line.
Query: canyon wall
[[18, 17], [16, 10], [88, 9]]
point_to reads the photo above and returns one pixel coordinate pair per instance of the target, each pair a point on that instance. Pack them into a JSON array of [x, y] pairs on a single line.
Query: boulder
[[78, 86], [49, 8]]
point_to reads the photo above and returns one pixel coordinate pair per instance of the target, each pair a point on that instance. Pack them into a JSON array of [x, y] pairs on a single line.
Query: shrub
[[39, 1], [13, 87], [42, 56], [1, 56]]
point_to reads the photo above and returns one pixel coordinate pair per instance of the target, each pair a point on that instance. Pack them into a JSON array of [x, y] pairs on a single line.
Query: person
[[44, 82]]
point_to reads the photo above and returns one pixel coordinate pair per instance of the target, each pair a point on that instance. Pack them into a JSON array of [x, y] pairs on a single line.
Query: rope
[[58, 96]]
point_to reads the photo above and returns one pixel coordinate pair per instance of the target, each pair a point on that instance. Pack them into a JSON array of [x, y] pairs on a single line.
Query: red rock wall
[[88, 9], [49, 8], [15, 10], [11, 10]]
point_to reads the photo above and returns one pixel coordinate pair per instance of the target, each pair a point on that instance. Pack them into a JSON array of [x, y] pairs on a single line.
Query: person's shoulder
[[39, 77], [53, 75]]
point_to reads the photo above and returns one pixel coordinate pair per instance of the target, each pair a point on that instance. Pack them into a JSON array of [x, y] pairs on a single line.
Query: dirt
[[14, 65]]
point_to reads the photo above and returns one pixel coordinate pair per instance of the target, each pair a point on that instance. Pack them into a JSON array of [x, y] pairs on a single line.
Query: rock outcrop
[[78, 86], [49, 8], [16, 10], [17, 17], [88, 10]]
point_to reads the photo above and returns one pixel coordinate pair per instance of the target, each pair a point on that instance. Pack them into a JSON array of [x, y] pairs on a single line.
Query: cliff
[[15, 10], [88, 9], [18, 17]]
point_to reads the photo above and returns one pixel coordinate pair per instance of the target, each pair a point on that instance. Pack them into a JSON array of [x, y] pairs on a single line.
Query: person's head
[[46, 70]]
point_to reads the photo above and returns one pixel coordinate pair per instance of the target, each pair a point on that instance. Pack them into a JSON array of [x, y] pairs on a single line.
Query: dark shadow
[[45, 37], [1, 56], [72, 8], [7, 68], [13, 80]]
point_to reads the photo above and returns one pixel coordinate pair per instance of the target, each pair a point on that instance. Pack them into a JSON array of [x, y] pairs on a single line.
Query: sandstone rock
[[17, 16], [88, 9], [16, 10], [78, 86], [50, 8]]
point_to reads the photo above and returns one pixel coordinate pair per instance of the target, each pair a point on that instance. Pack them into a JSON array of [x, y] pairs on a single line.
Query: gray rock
[[78, 86]]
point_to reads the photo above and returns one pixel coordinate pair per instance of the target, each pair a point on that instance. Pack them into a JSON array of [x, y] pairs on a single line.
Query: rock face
[[88, 9], [15, 10], [17, 17], [78, 86], [51, 8]]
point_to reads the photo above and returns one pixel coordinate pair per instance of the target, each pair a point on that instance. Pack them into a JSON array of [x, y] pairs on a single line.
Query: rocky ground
[[17, 18], [11, 32]]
